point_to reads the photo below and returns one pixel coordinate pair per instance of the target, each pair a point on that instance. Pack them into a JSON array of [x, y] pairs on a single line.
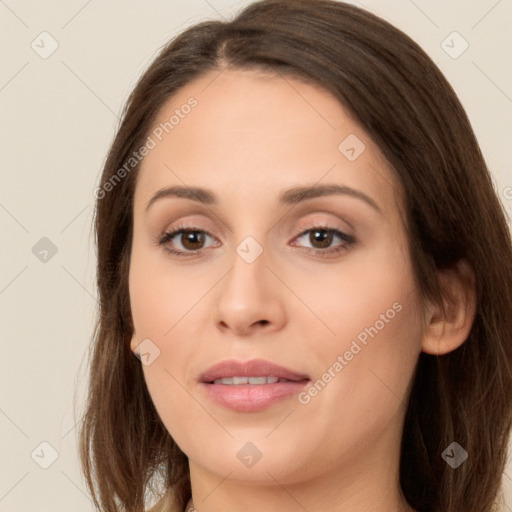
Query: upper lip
[[252, 368]]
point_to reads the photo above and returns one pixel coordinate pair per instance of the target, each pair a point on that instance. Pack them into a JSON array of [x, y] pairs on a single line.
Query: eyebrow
[[291, 196]]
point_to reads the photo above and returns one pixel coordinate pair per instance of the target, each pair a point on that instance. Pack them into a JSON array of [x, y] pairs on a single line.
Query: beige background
[[59, 115]]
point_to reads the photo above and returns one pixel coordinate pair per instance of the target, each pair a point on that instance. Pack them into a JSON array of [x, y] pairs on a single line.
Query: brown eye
[[192, 240], [184, 241], [322, 237]]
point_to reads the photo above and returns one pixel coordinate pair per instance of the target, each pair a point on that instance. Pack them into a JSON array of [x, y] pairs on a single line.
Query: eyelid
[[323, 224]]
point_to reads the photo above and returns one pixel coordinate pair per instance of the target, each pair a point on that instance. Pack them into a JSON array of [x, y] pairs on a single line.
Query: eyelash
[[167, 236]]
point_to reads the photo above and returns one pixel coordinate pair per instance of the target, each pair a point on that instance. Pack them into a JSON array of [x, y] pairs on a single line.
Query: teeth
[[257, 381], [260, 380]]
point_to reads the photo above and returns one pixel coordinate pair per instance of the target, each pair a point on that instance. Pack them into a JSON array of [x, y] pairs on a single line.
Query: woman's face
[[262, 277]]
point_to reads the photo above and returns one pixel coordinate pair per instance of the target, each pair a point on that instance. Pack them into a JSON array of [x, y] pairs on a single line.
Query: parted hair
[[453, 213]]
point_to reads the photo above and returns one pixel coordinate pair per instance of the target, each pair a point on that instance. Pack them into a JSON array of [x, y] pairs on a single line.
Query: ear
[[446, 332]]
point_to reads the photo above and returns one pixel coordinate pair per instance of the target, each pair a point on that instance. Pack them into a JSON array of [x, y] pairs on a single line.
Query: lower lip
[[250, 397]]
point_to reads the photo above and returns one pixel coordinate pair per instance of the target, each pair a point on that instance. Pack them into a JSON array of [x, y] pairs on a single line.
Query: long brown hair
[[406, 105]]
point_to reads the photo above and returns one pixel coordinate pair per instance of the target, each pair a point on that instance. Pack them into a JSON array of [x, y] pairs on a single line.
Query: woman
[[299, 240]]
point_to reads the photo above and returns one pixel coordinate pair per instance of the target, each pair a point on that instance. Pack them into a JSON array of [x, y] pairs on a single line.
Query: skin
[[251, 136]]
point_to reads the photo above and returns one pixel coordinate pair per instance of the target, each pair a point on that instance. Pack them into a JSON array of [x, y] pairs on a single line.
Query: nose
[[249, 298]]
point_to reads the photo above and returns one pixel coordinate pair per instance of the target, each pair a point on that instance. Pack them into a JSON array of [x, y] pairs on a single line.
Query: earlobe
[[447, 330]]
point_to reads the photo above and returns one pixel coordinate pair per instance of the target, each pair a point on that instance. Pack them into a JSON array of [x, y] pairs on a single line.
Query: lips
[[250, 386], [254, 368]]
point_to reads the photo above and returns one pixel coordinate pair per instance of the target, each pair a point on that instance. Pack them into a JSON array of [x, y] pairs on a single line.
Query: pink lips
[[251, 397]]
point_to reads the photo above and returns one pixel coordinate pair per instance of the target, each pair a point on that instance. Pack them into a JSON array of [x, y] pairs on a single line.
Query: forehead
[[250, 132]]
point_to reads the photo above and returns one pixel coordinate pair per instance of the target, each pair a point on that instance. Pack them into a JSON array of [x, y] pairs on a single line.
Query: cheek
[[167, 394], [159, 298], [374, 311], [360, 388], [373, 291], [159, 303], [387, 326]]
